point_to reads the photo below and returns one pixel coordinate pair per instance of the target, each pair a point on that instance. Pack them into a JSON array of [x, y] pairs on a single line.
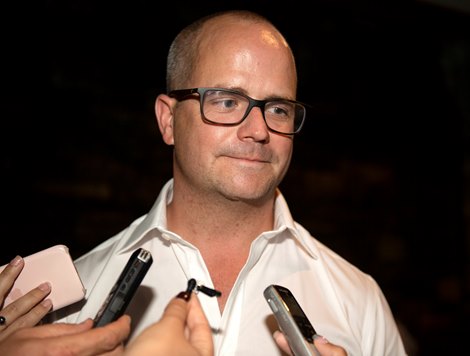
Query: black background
[[380, 173]]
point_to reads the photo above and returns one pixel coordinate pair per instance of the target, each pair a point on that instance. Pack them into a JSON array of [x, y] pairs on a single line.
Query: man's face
[[244, 162]]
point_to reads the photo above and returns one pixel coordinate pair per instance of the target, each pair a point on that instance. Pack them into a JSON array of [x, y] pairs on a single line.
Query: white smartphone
[[53, 265], [292, 320]]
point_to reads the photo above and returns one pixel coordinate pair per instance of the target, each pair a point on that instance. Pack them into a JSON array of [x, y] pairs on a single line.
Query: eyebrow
[[243, 91]]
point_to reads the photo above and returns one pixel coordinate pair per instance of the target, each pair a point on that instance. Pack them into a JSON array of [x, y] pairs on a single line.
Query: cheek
[[283, 145], [186, 125], [284, 152], [192, 134], [195, 142]]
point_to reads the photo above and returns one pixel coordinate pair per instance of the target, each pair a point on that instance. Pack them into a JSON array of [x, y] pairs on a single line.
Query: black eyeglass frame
[[181, 94]]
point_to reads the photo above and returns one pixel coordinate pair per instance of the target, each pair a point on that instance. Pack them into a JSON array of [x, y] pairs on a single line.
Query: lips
[[254, 155], [249, 158]]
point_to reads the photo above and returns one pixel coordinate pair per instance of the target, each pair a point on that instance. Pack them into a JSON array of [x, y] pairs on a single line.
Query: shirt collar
[[156, 220], [283, 220]]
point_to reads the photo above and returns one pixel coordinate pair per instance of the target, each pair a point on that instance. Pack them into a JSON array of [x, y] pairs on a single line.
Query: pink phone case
[[53, 265]]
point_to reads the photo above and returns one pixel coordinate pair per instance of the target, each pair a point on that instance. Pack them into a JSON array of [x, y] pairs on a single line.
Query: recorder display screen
[[292, 304]]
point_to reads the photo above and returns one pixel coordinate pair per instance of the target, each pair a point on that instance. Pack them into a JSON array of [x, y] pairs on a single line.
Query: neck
[[222, 229], [217, 220]]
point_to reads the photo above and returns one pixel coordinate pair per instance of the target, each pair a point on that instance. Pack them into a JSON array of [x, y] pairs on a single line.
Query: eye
[[227, 103], [280, 109], [222, 101]]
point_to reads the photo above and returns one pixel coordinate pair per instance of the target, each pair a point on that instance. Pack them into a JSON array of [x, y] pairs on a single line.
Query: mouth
[[247, 155], [249, 159], [251, 163]]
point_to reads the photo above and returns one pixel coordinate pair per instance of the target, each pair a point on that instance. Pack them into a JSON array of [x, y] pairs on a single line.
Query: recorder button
[[273, 305], [117, 305]]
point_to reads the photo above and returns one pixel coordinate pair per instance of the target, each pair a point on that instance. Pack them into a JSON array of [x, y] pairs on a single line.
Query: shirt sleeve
[[380, 332]]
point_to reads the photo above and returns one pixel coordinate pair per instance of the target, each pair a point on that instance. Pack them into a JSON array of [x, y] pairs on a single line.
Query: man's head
[[186, 47], [243, 52]]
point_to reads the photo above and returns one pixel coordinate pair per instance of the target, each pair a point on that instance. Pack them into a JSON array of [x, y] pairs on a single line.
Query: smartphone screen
[[292, 320], [125, 287]]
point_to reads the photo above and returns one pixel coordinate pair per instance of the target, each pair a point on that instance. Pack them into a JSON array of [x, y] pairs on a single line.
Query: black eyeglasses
[[229, 107]]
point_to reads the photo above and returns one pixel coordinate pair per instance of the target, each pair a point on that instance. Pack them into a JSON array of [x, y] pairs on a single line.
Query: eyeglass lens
[[226, 107]]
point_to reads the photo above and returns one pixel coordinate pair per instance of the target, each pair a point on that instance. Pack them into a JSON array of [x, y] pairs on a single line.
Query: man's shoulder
[[337, 267], [98, 253]]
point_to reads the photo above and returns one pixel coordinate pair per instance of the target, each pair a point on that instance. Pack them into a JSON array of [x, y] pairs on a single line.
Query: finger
[[26, 309], [98, 340], [175, 313], [9, 275], [29, 319], [160, 337], [118, 351], [326, 348], [281, 341], [60, 329], [73, 339], [26, 302], [200, 331]]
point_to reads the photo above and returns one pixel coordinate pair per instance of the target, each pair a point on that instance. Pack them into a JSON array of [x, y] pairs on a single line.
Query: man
[[231, 116]]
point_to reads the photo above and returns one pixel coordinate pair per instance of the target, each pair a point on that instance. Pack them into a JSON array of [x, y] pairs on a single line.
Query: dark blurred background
[[381, 172]]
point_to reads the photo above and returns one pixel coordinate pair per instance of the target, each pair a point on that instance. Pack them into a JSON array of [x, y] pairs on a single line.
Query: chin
[[250, 191]]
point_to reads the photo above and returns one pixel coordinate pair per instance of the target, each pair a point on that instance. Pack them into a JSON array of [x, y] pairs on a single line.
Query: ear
[[164, 114]]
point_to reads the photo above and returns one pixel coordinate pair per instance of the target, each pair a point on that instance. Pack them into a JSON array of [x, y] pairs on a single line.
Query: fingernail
[[84, 321], [321, 339], [45, 287], [184, 295], [16, 261], [47, 303]]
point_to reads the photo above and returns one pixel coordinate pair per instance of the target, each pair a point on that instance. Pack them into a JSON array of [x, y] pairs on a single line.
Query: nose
[[254, 126]]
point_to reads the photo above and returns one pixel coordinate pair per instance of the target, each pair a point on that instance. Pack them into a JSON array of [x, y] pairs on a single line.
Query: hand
[[323, 346], [68, 339], [19, 337], [183, 330], [27, 310]]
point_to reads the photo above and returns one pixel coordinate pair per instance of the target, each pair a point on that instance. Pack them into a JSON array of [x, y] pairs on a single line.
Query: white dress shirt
[[344, 304]]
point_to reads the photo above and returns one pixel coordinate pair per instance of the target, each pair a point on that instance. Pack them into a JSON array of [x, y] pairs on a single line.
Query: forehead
[[234, 52]]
